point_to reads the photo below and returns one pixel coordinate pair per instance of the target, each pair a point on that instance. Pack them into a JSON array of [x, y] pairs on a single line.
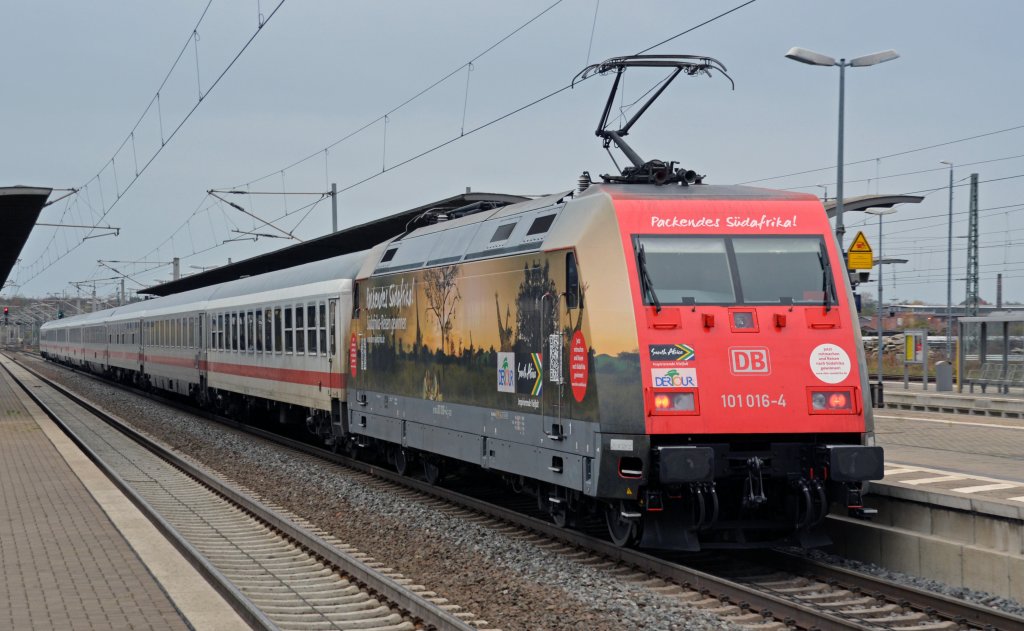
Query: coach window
[[247, 344], [243, 339], [288, 330], [268, 330], [311, 324], [300, 330], [323, 328], [234, 331], [258, 323], [278, 335]]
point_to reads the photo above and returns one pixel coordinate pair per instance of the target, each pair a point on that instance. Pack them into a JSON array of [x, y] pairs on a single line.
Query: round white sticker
[[830, 363]]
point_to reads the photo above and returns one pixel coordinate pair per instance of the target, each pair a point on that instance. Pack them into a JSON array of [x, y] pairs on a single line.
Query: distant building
[[899, 318]]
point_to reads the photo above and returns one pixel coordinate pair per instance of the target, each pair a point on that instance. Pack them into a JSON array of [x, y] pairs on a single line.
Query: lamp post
[[881, 335], [817, 59], [949, 269]]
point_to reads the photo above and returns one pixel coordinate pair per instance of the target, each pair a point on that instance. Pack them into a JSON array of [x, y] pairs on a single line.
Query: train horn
[[686, 176]]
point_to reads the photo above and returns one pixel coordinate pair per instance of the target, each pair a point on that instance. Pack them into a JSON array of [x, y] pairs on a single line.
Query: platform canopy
[[19, 208], [354, 239]]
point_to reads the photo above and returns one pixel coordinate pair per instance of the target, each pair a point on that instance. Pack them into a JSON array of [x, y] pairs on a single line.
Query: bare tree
[[442, 295]]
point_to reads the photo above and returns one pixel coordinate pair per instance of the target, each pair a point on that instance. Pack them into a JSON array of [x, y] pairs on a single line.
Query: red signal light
[[831, 401], [838, 400]]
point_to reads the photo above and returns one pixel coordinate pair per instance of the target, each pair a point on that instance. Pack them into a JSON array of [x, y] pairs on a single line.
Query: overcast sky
[[80, 76]]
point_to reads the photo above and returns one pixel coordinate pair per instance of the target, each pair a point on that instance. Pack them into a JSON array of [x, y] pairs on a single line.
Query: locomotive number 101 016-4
[[753, 400]]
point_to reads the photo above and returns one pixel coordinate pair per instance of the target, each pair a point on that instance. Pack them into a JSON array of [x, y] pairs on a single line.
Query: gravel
[[501, 578]]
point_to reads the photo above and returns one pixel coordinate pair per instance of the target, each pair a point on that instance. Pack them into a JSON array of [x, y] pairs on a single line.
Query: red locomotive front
[[754, 391], [740, 324]]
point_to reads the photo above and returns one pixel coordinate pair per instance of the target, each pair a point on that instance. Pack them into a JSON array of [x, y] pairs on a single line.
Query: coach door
[[334, 366], [199, 345]]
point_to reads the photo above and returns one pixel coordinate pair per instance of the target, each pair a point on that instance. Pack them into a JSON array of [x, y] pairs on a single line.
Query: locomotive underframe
[[680, 492]]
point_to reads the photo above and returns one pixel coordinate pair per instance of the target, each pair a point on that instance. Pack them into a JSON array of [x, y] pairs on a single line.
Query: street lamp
[[881, 336], [817, 59], [949, 269]]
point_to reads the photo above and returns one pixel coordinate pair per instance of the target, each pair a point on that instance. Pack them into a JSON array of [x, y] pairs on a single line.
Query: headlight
[[832, 401]]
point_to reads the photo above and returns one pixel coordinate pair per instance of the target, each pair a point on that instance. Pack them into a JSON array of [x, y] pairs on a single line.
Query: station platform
[[75, 553], [951, 504], [990, 403]]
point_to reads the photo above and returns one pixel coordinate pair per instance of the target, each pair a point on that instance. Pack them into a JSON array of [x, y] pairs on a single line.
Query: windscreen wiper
[[646, 286], [827, 282]]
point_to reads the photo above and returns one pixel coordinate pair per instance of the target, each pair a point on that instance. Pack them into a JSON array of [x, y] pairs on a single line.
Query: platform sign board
[[913, 347], [915, 351], [859, 256]]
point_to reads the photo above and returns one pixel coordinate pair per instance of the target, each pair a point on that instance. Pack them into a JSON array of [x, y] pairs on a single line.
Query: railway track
[[275, 570], [769, 590]]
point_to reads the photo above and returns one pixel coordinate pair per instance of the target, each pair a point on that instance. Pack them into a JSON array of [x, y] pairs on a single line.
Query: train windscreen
[[732, 270]]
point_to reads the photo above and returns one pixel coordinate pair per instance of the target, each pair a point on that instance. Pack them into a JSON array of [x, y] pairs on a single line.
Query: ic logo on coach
[[749, 361]]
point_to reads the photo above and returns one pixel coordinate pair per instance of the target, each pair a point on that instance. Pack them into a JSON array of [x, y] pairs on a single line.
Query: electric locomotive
[[684, 358]]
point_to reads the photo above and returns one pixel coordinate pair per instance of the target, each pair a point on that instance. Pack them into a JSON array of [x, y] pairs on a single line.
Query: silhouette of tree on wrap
[[533, 309], [442, 295], [505, 332]]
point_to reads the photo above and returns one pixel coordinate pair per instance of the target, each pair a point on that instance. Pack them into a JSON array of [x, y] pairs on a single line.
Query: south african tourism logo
[[507, 372], [670, 352], [528, 374]]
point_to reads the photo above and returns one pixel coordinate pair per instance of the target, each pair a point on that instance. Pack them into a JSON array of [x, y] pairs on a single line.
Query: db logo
[[749, 361]]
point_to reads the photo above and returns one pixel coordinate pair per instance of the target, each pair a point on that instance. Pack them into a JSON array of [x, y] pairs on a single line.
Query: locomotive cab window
[[677, 270], [773, 270], [573, 297], [682, 270]]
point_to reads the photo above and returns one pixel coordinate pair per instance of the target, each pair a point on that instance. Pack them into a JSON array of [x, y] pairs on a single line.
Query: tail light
[[831, 401], [675, 403]]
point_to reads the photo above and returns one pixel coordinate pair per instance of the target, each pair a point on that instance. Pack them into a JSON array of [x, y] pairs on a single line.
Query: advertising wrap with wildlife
[[498, 334]]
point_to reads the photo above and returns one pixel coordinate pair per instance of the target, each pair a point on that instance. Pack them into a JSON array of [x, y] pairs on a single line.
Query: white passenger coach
[[277, 341]]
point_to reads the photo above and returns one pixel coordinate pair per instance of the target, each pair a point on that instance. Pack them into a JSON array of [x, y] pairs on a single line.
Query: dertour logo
[[674, 377], [506, 372]]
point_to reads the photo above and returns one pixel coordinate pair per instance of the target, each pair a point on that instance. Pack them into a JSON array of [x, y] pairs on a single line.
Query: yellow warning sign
[[859, 256]]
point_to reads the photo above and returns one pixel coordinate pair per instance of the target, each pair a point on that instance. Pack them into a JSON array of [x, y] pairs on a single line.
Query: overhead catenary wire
[[192, 38], [891, 155], [463, 133]]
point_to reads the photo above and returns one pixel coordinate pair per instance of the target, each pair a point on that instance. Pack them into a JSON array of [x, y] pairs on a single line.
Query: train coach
[[266, 344], [681, 359]]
